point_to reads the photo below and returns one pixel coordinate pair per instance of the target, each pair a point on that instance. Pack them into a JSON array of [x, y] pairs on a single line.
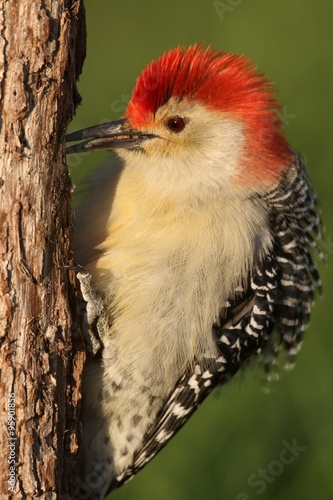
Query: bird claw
[[94, 325]]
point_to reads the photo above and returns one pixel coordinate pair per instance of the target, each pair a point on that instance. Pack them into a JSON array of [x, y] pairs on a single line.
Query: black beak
[[111, 135]]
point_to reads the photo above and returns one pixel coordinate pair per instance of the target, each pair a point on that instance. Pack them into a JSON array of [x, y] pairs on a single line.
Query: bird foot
[[94, 325]]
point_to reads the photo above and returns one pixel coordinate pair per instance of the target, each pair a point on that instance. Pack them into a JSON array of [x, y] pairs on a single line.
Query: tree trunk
[[42, 48]]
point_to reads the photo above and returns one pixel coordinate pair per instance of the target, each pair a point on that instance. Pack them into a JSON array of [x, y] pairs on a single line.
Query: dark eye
[[176, 124]]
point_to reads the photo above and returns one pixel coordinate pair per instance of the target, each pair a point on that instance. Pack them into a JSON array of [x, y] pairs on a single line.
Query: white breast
[[167, 269]]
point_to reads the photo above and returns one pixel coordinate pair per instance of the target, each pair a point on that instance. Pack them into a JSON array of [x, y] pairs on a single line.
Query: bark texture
[[42, 48]]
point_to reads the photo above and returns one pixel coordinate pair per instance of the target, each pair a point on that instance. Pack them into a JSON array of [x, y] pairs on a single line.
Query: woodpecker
[[196, 248]]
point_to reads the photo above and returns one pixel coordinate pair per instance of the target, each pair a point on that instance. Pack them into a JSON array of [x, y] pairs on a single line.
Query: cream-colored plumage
[[168, 267], [175, 245]]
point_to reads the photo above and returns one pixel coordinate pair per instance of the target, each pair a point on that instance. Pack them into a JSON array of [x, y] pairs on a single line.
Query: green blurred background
[[231, 448]]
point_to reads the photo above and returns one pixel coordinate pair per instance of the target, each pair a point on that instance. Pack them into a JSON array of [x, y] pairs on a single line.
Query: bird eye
[[176, 124]]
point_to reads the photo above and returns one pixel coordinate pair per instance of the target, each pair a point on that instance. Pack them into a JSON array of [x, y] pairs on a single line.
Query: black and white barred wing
[[297, 228]]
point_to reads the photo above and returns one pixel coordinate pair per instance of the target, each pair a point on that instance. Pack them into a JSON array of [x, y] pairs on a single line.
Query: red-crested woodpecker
[[197, 244]]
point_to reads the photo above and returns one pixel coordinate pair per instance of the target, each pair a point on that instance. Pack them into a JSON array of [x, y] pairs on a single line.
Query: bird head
[[198, 117]]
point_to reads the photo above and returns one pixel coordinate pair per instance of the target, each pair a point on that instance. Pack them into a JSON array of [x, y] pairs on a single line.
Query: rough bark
[[42, 47]]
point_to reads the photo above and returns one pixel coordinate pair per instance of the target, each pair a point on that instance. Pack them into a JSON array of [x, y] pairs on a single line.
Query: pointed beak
[[111, 135]]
